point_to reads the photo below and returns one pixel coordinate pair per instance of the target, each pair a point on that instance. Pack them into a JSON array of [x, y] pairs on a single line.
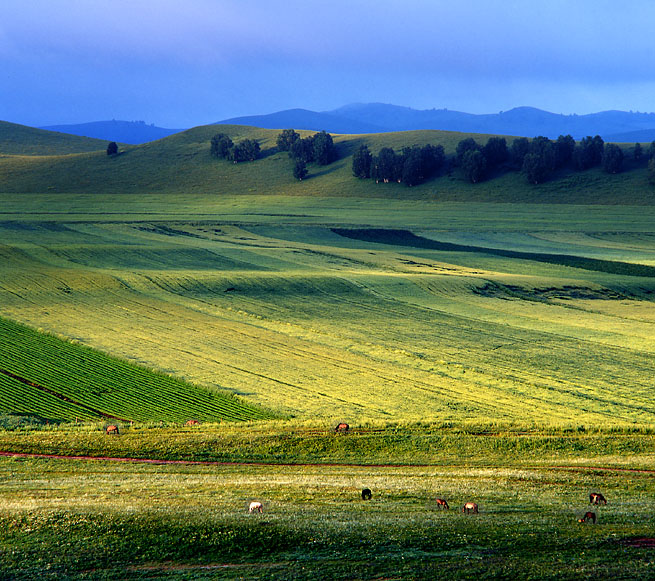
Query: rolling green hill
[[20, 140], [181, 164]]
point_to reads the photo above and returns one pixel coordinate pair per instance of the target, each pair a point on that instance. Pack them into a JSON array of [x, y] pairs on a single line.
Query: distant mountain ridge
[[523, 121], [132, 132]]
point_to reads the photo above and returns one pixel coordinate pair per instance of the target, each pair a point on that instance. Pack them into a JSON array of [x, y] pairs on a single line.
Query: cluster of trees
[[318, 148], [411, 166], [223, 147]]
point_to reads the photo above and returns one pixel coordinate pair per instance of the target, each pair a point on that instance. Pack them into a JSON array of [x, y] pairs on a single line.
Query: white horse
[[256, 507]]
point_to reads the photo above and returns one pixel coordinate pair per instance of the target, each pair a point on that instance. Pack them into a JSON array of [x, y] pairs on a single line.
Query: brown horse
[[111, 430], [342, 428], [597, 498], [192, 423], [588, 516], [470, 507], [441, 503]]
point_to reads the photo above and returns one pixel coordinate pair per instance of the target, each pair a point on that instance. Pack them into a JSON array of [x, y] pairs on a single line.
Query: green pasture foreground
[[94, 519]]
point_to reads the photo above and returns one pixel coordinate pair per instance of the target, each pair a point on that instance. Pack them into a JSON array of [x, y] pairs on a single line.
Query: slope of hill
[[132, 132], [181, 164], [528, 121], [22, 140]]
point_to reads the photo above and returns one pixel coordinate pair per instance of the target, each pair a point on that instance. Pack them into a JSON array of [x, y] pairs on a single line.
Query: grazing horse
[[470, 507], [192, 423], [597, 498], [111, 430], [342, 428], [256, 507], [441, 503], [588, 516], [367, 494]]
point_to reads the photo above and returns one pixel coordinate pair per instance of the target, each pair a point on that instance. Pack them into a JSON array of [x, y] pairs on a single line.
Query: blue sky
[[183, 63]]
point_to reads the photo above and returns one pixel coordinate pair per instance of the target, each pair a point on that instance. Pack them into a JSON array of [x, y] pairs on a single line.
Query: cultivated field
[[277, 307]]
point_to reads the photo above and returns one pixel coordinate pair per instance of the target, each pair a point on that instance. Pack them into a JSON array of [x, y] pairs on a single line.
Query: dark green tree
[[520, 148], [651, 171], [362, 162], [303, 149], [433, 158], [299, 169], [651, 150], [589, 152], [495, 151], [564, 147], [112, 148], [384, 167], [612, 158], [638, 152], [464, 146], [246, 150], [474, 165], [221, 145], [324, 151], [540, 161], [286, 139], [412, 172]]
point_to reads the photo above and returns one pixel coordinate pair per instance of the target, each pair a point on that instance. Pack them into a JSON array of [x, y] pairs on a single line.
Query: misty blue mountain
[[133, 132], [521, 121]]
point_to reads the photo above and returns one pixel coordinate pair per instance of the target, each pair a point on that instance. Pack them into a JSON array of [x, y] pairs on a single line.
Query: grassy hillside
[[182, 164], [20, 140]]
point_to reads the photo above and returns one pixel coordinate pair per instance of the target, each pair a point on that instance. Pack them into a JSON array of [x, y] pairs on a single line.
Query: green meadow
[[490, 342]]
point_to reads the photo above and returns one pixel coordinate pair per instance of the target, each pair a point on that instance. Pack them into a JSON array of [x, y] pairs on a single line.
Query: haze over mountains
[[617, 126], [133, 132], [524, 121]]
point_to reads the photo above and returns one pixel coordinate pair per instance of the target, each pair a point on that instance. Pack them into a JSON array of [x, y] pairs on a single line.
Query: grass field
[[92, 519], [488, 343]]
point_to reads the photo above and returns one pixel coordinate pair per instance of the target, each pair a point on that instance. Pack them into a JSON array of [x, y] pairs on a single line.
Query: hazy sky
[[179, 63]]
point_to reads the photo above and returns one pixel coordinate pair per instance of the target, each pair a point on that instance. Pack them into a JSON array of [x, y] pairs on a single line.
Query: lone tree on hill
[[299, 169], [112, 148]]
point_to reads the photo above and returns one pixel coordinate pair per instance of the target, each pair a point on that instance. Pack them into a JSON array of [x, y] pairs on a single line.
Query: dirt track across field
[[309, 464]]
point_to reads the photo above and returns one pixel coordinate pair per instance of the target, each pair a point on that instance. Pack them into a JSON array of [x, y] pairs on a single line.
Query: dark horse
[[342, 428], [588, 516], [367, 494], [441, 503], [597, 498]]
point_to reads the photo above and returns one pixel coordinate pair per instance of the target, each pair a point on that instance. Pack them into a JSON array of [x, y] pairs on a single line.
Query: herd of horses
[[595, 498]]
